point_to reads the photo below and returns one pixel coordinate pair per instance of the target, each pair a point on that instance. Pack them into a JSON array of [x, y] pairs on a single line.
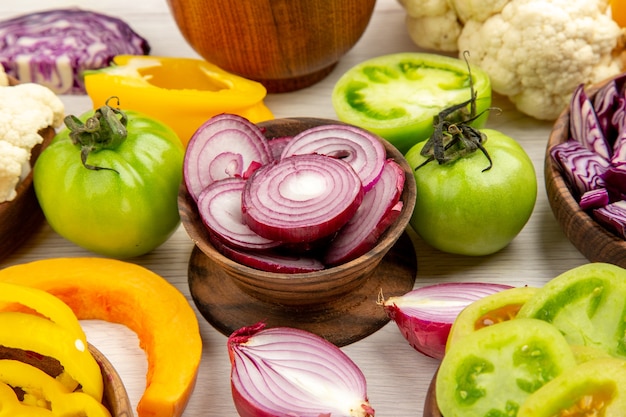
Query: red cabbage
[[613, 217], [610, 107], [594, 199], [584, 125], [582, 167], [54, 47]]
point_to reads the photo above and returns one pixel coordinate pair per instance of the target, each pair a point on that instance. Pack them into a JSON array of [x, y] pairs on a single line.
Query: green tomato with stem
[[470, 205]]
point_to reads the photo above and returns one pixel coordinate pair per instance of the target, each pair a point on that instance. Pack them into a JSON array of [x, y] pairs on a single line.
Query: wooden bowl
[[430, 403], [595, 242], [296, 299], [284, 44], [115, 398], [22, 216]]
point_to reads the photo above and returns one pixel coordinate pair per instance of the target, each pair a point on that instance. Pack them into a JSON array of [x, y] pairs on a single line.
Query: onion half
[[287, 372], [425, 315], [302, 198], [224, 146]]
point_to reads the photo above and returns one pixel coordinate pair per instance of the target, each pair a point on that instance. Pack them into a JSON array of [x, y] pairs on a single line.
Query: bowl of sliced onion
[[585, 171], [308, 211], [21, 216]]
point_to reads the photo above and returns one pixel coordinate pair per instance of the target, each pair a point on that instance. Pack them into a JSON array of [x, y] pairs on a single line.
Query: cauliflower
[[536, 52], [24, 110]]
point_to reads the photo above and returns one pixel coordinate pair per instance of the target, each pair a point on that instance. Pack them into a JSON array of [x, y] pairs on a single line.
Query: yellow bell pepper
[[44, 393], [10, 406], [38, 334], [15, 296], [181, 92]]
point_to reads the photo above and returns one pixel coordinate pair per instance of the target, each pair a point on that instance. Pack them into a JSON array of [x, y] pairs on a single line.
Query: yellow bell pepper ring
[[47, 395], [180, 92], [10, 406], [12, 296], [38, 334]]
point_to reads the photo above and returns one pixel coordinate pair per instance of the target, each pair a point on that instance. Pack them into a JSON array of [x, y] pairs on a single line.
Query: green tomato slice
[[498, 367], [489, 310], [397, 96], [594, 388], [588, 306]]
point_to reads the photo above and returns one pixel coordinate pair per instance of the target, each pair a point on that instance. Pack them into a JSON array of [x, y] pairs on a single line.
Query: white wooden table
[[397, 376]]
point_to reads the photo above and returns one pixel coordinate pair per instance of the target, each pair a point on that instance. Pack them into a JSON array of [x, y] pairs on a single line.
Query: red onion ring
[[377, 212], [206, 157], [219, 205], [360, 148], [285, 372], [301, 198]]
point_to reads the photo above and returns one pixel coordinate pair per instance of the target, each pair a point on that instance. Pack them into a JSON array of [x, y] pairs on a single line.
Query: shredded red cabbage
[[593, 160], [54, 47]]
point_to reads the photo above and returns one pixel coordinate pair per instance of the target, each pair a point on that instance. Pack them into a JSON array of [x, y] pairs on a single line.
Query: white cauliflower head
[[537, 51], [432, 24]]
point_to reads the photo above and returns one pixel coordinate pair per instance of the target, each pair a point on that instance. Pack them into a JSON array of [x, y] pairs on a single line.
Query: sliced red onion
[[301, 198], [219, 206], [582, 167], [377, 212], [226, 145], [360, 148], [277, 145], [269, 261], [425, 315], [594, 199], [613, 217], [286, 372], [584, 125]]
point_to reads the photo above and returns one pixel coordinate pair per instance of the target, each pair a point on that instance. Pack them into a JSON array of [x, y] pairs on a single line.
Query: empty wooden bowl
[[284, 44], [115, 398], [592, 240], [22, 216], [240, 294]]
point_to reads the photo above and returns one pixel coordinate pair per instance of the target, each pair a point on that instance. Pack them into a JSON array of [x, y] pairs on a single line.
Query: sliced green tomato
[[489, 310], [397, 96], [498, 367], [594, 388], [587, 304]]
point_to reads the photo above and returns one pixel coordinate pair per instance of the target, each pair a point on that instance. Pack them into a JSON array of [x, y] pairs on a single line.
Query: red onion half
[[425, 315], [286, 372], [361, 149], [302, 198], [226, 145]]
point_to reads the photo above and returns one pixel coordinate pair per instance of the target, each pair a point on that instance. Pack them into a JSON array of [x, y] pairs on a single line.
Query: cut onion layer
[[285, 372], [224, 146], [377, 212], [361, 149], [425, 315], [302, 198], [219, 206]]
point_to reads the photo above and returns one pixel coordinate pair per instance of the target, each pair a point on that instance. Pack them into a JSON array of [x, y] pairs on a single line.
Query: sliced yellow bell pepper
[[181, 92], [13, 296], [46, 393], [38, 334], [10, 406]]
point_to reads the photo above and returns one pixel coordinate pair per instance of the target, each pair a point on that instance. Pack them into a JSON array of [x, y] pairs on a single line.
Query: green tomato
[[588, 306], [464, 209], [126, 205], [397, 96], [594, 388], [496, 368]]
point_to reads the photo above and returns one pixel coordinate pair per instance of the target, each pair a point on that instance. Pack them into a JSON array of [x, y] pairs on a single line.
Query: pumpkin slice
[[128, 294]]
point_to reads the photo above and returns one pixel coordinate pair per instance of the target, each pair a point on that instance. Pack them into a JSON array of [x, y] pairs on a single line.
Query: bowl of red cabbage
[[585, 171], [296, 210]]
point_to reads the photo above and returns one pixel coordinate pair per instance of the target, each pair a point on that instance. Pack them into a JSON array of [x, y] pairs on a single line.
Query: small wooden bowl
[[300, 299], [284, 44], [595, 242], [22, 216], [115, 398]]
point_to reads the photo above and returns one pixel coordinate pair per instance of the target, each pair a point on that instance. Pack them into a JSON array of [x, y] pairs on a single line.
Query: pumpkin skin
[[284, 44], [128, 294]]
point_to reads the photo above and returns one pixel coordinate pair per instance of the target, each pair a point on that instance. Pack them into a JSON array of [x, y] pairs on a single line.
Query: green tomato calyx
[[106, 129]]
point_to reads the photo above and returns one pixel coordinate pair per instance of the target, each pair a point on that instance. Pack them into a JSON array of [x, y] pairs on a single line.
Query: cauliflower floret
[[432, 24], [12, 166], [24, 110], [478, 10], [536, 51]]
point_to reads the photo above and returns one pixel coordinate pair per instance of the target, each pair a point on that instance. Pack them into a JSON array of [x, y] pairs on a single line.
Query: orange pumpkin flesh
[[128, 294]]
